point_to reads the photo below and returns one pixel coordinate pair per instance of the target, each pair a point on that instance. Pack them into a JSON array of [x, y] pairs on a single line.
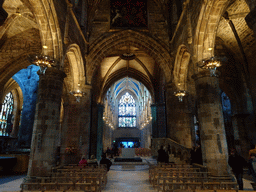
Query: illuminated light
[[211, 64], [180, 94], [43, 61]]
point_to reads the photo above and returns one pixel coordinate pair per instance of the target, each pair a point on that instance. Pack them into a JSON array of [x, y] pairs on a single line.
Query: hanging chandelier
[[77, 94], [180, 94], [43, 61], [211, 64]]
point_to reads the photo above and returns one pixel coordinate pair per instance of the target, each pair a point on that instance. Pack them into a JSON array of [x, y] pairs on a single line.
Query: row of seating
[[93, 186], [70, 178], [165, 186], [172, 177]]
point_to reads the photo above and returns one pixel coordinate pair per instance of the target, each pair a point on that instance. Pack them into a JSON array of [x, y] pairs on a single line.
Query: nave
[[125, 177]]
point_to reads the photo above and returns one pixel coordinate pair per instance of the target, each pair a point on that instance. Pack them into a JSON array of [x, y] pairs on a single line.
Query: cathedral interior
[[79, 76]]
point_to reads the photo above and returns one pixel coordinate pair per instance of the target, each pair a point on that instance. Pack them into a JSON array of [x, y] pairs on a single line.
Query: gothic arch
[[101, 49], [206, 29], [75, 59], [180, 70], [130, 73], [47, 20]]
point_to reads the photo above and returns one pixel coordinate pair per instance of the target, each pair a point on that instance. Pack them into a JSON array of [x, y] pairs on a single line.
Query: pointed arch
[[128, 37], [209, 17], [180, 70], [47, 20], [75, 59]]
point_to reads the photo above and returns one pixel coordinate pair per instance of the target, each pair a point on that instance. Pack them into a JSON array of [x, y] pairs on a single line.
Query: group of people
[[112, 152], [94, 162]]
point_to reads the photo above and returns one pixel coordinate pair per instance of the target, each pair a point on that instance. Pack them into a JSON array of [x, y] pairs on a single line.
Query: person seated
[[92, 161], [105, 161], [83, 162]]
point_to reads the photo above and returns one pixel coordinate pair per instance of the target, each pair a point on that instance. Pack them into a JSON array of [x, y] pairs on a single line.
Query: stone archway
[[46, 16], [101, 48], [205, 34], [76, 66], [180, 70]]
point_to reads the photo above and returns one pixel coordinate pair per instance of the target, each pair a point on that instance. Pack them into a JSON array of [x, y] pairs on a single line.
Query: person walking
[[237, 162]]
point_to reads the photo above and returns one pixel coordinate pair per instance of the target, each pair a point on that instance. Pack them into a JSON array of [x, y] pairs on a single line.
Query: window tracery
[[127, 111], [6, 115]]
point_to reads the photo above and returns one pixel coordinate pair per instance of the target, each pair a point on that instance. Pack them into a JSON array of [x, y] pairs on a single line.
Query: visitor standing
[[162, 155], [237, 162]]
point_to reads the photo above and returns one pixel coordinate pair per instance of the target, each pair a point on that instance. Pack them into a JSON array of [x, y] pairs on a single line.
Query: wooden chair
[[87, 187], [229, 185], [31, 186], [65, 186], [30, 191], [48, 186], [211, 185]]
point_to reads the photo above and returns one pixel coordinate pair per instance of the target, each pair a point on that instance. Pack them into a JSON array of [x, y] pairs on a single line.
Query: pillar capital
[[52, 71]]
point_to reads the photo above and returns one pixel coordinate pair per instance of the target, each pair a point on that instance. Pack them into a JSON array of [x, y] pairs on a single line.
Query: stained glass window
[[6, 115], [127, 111]]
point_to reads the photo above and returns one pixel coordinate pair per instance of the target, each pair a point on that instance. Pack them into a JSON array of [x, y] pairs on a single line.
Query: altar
[[128, 155], [128, 152]]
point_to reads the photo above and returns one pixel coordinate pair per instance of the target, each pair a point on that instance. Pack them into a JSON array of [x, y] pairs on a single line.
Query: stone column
[[158, 120], [76, 127], [46, 123], [212, 130], [100, 131], [242, 142], [154, 121], [179, 118]]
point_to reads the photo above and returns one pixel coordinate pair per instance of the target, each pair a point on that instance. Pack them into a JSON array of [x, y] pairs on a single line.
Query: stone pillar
[[158, 120], [154, 121], [212, 130], [241, 140], [76, 127], [46, 123], [161, 120], [179, 118], [100, 131]]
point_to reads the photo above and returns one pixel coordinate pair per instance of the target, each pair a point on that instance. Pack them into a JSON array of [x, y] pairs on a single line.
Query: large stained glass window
[[127, 111], [6, 115]]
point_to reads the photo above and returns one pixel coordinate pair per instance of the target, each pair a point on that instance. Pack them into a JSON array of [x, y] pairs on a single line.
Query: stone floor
[[129, 177]]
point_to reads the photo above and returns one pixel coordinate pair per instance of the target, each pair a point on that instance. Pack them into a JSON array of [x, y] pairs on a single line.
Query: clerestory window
[[127, 111]]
